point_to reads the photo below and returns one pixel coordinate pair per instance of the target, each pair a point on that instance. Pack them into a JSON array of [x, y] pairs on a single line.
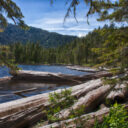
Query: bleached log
[[83, 89], [82, 68], [19, 113], [17, 105], [88, 119], [56, 77], [24, 112], [44, 76], [90, 101], [119, 93]]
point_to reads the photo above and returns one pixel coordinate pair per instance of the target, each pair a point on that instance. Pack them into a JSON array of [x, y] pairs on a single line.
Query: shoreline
[[5, 79], [49, 64], [83, 69], [70, 66]]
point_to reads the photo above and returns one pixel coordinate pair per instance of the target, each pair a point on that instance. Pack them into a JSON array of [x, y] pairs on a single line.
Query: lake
[[45, 68], [7, 91]]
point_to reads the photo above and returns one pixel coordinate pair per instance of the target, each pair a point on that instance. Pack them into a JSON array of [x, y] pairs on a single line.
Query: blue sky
[[41, 14]]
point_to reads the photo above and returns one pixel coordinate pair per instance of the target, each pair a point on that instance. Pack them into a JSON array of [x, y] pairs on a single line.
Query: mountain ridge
[[13, 34]]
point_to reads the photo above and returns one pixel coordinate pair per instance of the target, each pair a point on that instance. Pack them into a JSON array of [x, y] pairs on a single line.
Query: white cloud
[[70, 27], [81, 34]]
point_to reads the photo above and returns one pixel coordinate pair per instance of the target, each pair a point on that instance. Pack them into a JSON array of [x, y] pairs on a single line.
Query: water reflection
[[9, 91]]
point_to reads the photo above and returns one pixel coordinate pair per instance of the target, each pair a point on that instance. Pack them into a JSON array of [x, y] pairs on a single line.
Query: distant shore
[[83, 68], [71, 66]]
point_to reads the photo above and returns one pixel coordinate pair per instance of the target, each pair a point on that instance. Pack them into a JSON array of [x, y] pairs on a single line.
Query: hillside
[[14, 34], [88, 50]]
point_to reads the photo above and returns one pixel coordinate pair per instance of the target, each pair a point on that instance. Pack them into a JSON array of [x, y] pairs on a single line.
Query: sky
[[42, 14]]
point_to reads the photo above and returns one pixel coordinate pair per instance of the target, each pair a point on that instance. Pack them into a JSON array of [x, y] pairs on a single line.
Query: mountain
[[13, 34]]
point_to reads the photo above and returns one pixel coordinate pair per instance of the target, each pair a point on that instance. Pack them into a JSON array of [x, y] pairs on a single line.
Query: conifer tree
[[9, 9], [118, 13]]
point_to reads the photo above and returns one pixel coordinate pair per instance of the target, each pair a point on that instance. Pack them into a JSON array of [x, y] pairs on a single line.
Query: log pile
[[88, 119], [90, 101], [25, 112]]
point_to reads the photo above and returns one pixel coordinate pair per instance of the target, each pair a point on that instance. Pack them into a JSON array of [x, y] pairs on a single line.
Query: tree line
[[105, 46]]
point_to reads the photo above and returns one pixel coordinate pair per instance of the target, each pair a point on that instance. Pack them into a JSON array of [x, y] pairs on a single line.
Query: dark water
[[7, 90]]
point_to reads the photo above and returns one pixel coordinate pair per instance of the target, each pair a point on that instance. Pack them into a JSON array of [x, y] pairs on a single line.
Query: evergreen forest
[[102, 47]]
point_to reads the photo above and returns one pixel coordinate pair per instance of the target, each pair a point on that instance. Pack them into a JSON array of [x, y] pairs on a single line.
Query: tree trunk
[[20, 113], [88, 120], [24, 112], [119, 93], [89, 101], [56, 77]]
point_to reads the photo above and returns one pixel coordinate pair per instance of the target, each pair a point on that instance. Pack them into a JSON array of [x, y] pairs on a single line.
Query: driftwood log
[[89, 101], [87, 119], [82, 68], [25, 112], [20, 113], [56, 77], [119, 93]]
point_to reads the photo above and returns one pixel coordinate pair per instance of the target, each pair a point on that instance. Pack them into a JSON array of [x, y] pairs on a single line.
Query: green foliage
[[8, 9], [77, 52], [111, 43], [106, 47], [113, 48], [117, 118], [78, 112], [109, 81], [59, 101], [103, 47], [7, 58], [116, 11]]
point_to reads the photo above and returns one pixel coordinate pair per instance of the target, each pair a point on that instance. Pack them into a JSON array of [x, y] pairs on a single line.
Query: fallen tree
[[15, 112], [87, 119], [89, 101], [25, 112], [120, 93], [56, 77]]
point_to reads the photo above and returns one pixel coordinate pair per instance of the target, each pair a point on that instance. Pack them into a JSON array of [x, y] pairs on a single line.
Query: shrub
[[117, 118]]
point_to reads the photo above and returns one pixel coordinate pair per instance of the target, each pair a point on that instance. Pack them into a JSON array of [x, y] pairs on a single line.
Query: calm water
[[7, 90], [56, 69]]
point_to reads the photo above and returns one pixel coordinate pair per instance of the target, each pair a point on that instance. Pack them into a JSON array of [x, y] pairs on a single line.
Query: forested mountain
[[102, 46], [14, 34]]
